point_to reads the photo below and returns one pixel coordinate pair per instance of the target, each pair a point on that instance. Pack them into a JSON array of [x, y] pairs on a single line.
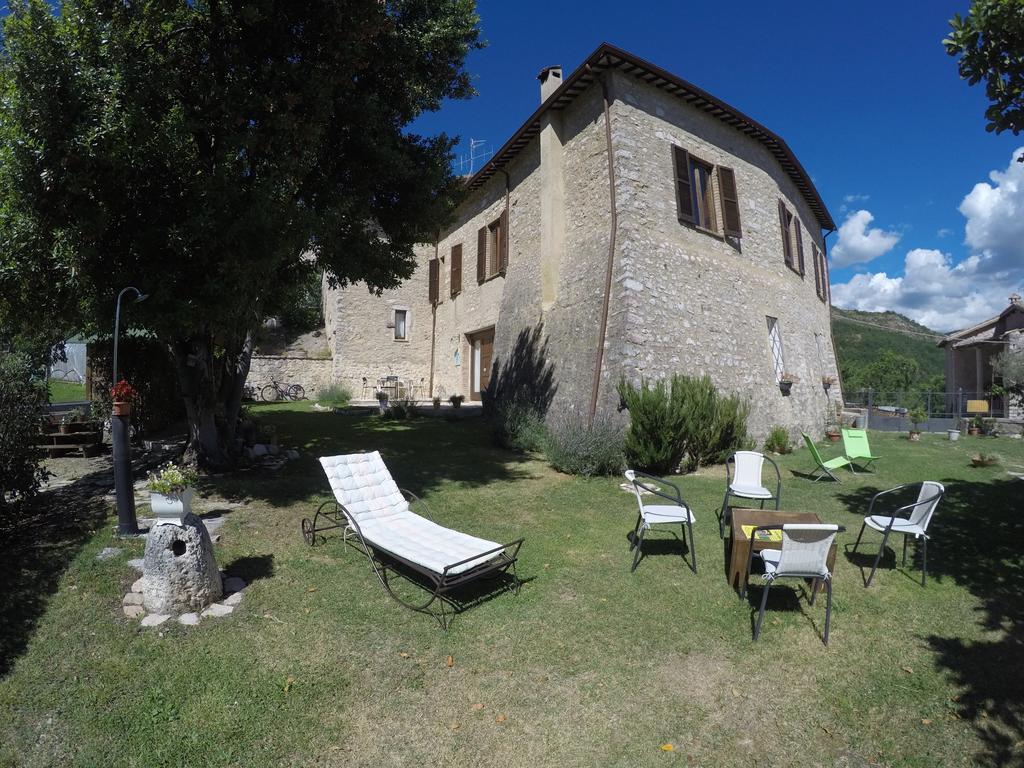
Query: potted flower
[[170, 493], [64, 427], [123, 394], [456, 400], [983, 459], [786, 381], [437, 403], [917, 417], [974, 426], [827, 382]]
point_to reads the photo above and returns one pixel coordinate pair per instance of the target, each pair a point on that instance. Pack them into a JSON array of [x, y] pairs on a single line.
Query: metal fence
[[889, 411]]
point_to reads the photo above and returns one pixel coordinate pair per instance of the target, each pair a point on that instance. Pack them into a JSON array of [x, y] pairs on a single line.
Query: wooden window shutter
[[816, 258], [456, 279], [730, 201], [799, 245], [434, 275], [787, 246], [684, 188], [503, 242], [481, 255]]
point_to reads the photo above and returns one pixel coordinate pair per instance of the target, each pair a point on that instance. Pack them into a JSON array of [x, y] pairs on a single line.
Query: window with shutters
[[434, 279], [775, 343], [702, 190], [792, 240], [455, 283], [492, 249], [820, 273]]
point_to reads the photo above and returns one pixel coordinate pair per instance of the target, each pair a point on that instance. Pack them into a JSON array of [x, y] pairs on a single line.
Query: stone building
[[969, 356], [637, 227]]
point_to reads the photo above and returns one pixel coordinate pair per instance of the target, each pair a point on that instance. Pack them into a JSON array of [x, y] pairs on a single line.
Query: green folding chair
[[856, 448], [825, 468]]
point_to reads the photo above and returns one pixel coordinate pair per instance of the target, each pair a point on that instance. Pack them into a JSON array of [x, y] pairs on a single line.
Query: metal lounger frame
[[440, 584]]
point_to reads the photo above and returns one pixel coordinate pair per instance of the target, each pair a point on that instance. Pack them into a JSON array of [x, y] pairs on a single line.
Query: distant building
[[647, 227], [969, 355]]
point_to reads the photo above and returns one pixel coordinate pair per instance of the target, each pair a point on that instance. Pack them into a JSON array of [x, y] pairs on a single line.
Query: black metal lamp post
[[120, 432]]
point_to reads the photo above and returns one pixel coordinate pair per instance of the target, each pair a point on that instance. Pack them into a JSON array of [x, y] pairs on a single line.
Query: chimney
[[550, 78], [1015, 299]]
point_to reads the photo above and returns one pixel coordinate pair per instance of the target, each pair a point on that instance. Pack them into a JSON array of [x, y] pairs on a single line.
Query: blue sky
[[863, 92]]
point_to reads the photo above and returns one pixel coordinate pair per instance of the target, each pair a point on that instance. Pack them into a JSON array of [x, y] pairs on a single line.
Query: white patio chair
[[370, 505], [748, 483], [676, 513], [916, 525], [804, 555]]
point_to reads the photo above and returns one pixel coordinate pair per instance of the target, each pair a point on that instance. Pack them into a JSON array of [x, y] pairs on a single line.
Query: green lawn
[[66, 391], [589, 666]]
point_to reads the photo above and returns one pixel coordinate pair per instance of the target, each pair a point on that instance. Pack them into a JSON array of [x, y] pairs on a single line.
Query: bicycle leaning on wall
[[275, 391]]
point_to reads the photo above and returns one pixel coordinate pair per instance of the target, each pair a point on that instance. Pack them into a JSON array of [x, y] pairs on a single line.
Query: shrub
[[518, 426], [575, 448], [917, 416], [336, 396], [778, 440], [400, 410], [22, 398], [686, 421], [456, 400]]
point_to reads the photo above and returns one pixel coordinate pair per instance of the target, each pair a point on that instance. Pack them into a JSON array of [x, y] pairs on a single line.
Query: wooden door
[[481, 348]]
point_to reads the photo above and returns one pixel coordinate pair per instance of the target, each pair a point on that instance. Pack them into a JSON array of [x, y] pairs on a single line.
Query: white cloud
[[995, 216], [856, 198], [933, 290], [858, 243], [944, 232]]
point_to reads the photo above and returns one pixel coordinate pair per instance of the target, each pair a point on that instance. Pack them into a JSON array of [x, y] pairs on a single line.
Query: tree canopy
[[990, 44], [215, 154]]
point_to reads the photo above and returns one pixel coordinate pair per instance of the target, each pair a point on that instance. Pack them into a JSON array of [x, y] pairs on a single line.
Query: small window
[[775, 342], [401, 324], [492, 249]]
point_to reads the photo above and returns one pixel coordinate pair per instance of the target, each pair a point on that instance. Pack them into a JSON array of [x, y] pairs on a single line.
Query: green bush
[[518, 426], [22, 397], [336, 396], [575, 448], [400, 410], [778, 441], [686, 422]]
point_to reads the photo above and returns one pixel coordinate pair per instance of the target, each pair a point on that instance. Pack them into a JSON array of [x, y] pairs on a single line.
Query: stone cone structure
[[179, 573]]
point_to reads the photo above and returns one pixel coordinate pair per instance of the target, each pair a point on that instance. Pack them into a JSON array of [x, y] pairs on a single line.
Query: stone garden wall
[[311, 373]]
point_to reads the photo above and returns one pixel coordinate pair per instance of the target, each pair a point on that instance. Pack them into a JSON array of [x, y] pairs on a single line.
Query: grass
[[588, 666], [66, 391]]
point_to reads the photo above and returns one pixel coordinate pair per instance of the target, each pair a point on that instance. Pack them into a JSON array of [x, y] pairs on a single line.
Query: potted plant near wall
[[437, 403], [170, 493], [123, 394], [917, 417], [456, 400], [974, 426], [832, 421], [786, 381], [382, 401]]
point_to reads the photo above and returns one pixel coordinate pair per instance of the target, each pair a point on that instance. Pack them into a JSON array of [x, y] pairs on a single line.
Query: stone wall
[[312, 374]]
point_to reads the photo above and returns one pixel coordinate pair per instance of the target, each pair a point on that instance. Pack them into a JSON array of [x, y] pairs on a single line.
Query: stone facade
[[682, 300], [312, 374]]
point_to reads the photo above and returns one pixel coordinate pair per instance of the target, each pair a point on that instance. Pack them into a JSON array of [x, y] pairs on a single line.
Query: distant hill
[[860, 338]]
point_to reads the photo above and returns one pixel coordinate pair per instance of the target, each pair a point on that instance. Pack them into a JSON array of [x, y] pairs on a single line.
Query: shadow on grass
[[41, 538], [251, 567], [421, 453], [978, 542]]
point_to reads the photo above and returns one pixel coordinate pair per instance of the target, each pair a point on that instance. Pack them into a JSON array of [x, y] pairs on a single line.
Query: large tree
[[214, 153], [990, 44]]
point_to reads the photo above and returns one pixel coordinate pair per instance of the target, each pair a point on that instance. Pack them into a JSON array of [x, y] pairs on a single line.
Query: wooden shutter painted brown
[[816, 257], [684, 188], [456, 279], [481, 255], [730, 201], [434, 276], [787, 247], [799, 245], [503, 242]]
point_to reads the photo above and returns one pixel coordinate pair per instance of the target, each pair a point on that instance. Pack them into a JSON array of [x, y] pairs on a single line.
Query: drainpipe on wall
[[433, 319], [603, 327]]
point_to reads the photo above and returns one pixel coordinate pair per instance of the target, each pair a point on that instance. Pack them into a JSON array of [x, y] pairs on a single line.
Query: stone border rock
[[131, 605]]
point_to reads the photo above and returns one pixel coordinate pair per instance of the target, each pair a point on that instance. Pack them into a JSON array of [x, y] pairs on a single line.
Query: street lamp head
[[141, 297]]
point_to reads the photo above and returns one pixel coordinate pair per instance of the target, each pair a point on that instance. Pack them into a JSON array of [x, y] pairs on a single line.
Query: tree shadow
[[978, 541], [40, 542], [251, 567], [526, 377]]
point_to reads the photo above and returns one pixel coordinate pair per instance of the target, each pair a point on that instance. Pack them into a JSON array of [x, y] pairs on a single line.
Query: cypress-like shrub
[[22, 397], [683, 423]]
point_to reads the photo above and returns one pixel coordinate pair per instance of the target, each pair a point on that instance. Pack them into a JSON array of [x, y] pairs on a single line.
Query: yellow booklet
[[772, 536]]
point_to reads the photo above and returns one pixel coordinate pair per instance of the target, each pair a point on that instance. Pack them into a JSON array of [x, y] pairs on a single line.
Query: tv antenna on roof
[[474, 145]]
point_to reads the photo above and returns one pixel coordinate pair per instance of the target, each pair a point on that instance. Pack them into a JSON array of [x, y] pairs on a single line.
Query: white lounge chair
[[372, 507], [748, 483]]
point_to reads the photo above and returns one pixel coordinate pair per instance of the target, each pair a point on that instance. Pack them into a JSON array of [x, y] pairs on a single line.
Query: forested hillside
[[886, 351]]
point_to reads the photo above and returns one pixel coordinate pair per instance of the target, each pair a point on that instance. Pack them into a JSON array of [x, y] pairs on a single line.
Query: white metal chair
[[676, 513], [916, 525], [748, 483], [804, 555]]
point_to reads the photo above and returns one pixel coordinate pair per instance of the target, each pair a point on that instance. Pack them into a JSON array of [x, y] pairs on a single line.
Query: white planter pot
[[171, 509], [954, 434]]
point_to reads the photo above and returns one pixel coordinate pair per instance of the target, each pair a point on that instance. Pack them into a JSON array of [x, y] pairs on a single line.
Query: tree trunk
[[193, 359]]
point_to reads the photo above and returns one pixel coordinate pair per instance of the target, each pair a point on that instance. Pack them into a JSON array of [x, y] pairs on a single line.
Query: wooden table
[[740, 544]]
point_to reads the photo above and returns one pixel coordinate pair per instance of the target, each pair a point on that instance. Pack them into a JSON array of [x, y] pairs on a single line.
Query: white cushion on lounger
[[364, 487]]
